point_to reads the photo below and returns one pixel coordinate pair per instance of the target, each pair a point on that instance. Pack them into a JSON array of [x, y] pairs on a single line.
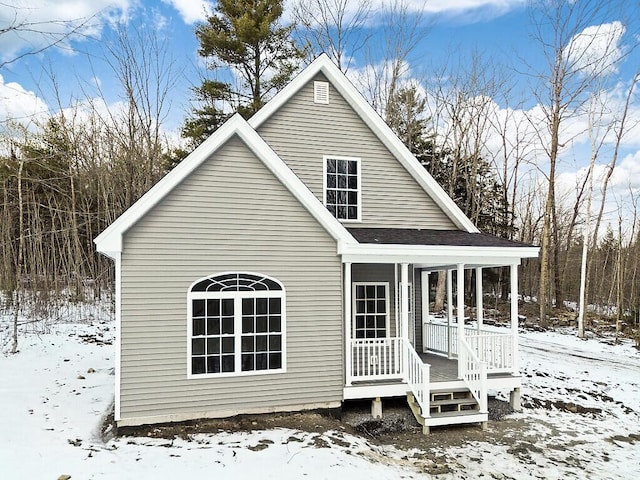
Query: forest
[[66, 179]]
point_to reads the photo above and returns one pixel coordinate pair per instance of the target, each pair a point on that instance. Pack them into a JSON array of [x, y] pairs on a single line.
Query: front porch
[[436, 392], [444, 366]]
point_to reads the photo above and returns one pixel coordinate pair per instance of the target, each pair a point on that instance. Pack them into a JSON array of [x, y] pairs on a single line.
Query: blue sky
[[462, 25], [499, 28]]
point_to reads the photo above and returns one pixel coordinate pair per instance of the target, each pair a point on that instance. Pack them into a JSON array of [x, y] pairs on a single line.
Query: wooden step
[[448, 407], [454, 418]]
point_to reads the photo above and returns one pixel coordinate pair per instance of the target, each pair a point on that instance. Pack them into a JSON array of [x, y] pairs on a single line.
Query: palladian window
[[236, 325]]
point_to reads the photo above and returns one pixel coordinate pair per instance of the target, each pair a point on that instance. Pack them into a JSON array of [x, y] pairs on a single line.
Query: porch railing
[[474, 374], [417, 377], [494, 348], [376, 358]]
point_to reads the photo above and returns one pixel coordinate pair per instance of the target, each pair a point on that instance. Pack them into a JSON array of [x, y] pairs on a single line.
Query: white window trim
[[353, 307], [324, 184], [237, 296]]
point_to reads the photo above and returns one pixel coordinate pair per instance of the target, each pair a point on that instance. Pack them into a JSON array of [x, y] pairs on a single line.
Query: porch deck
[[443, 369]]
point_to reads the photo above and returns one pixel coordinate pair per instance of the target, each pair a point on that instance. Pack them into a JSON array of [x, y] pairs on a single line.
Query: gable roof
[[341, 83], [109, 241]]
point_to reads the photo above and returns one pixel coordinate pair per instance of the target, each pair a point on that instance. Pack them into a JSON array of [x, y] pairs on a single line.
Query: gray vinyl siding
[[231, 214], [302, 132]]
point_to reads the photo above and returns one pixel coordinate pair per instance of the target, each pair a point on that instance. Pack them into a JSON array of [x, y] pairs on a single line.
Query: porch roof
[[435, 249], [417, 236]]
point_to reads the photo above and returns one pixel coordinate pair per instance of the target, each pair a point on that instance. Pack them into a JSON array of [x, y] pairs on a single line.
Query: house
[[284, 266]]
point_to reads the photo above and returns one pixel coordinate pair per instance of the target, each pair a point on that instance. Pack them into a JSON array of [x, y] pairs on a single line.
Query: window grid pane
[[342, 188], [226, 339], [262, 344], [371, 311]]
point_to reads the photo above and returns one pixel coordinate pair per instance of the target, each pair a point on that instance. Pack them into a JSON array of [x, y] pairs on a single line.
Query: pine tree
[[244, 42]]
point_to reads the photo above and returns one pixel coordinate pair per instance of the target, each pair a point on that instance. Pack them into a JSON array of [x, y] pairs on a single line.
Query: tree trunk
[[17, 293], [440, 291]]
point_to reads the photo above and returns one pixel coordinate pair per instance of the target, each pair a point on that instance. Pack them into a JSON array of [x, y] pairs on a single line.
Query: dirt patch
[[397, 427], [318, 421], [561, 406]]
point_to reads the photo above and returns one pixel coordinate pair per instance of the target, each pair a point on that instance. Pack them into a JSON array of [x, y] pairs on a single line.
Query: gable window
[[371, 310], [342, 192], [236, 325]]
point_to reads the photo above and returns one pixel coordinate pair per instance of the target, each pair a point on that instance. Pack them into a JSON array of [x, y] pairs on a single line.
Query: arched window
[[236, 325]]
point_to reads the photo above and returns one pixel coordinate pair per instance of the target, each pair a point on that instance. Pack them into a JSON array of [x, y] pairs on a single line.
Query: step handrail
[[474, 374], [417, 377]]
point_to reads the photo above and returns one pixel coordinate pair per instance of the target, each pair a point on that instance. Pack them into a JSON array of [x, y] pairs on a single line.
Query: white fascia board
[[436, 254], [324, 64], [109, 242]]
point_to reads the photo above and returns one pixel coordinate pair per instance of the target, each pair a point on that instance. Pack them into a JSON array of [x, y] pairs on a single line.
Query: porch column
[[479, 306], [514, 317], [449, 313], [404, 300], [424, 277], [460, 307], [347, 323]]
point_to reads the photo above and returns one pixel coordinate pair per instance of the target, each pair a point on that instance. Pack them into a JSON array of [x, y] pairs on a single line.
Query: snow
[[56, 390]]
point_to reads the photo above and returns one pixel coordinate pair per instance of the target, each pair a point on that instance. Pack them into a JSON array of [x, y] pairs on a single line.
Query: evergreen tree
[[245, 41]]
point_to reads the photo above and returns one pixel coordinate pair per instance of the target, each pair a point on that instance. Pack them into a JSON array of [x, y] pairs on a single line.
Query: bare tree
[[563, 87], [336, 27], [52, 32]]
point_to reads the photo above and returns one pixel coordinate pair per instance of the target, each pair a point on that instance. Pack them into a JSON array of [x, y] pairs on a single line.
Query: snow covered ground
[[582, 421]]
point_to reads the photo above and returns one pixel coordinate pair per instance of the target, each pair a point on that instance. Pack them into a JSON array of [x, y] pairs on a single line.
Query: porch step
[[448, 407], [452, 401]]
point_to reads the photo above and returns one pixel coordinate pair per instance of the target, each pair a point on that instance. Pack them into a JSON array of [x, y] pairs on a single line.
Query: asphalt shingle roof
[[415, 236]]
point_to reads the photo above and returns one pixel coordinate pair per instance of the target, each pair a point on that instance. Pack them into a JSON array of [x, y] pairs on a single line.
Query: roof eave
[[436, 254]]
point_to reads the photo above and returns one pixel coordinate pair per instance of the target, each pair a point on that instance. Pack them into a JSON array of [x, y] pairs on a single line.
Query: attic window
[[342, 192], [321, 92]]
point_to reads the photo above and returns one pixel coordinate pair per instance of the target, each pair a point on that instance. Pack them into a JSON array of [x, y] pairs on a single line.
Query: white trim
[[359, 191], [348, 322], [435, 255], [118, 343], [238, 296], [339, 81], [404, 301], [460, 312], [354, 310], [356, 392], [110, 240], [479, 299], [514, 317]]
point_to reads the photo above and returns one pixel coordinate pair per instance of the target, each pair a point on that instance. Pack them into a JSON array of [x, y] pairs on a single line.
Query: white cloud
[[597, 49], [36, 24], [191, 11], [20, 105], [453, 6]]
